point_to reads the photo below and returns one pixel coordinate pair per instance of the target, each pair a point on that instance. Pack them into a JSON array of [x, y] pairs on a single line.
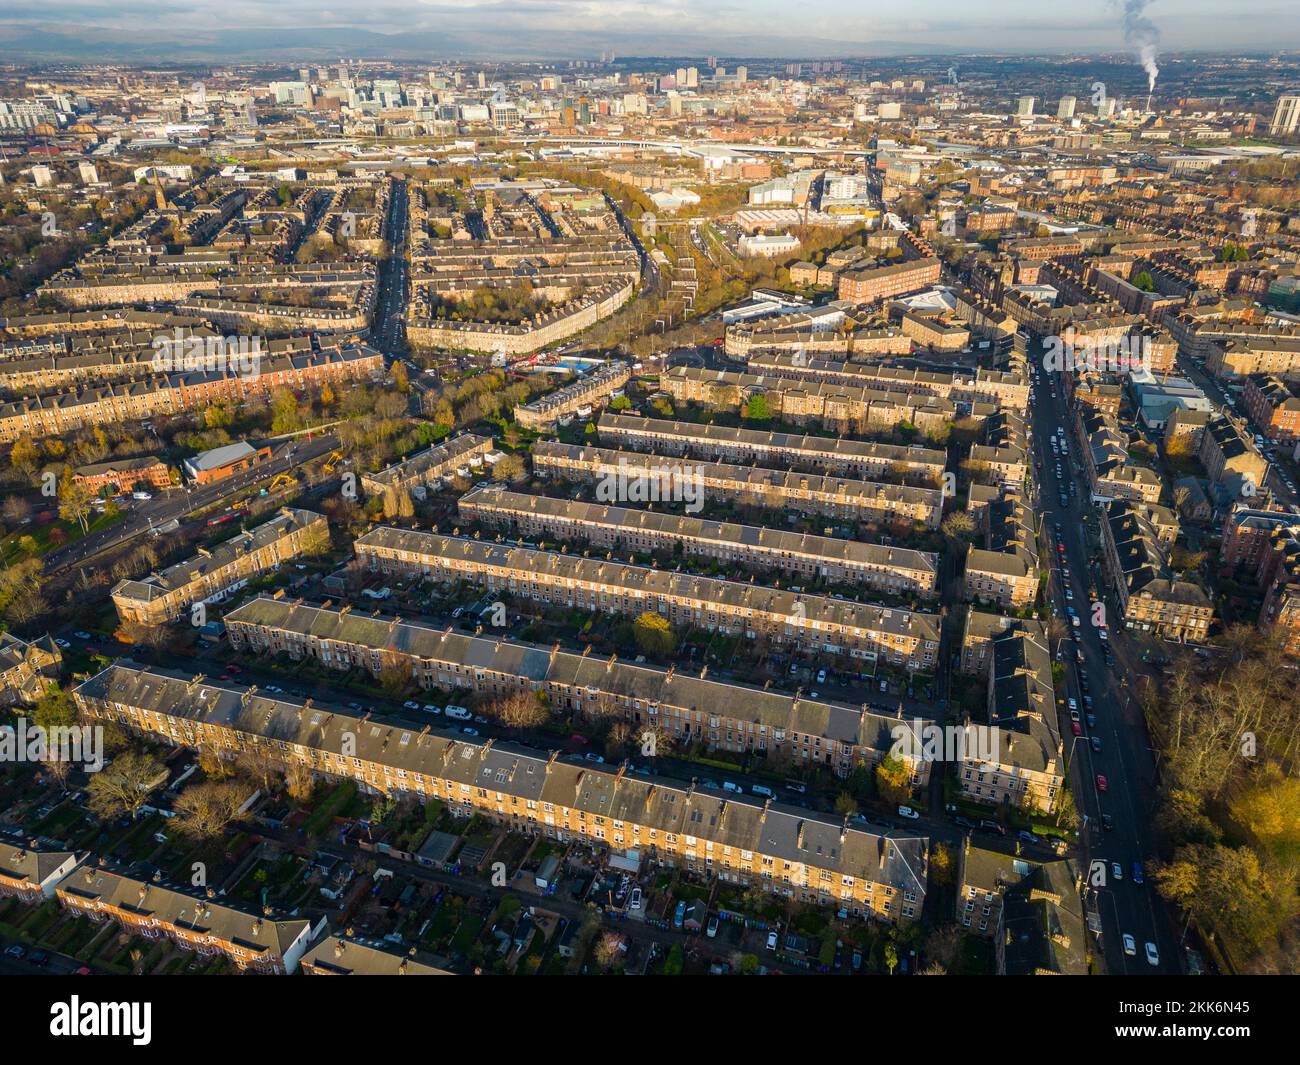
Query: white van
[[458, 712], [765, 792]]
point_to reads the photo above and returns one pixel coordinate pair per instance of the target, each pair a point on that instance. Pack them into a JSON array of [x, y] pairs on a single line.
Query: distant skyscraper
[[1066, 109], [1025, 107], [692, 78], [1107, 107], [1286, 116], [482, 80], [742, 75]]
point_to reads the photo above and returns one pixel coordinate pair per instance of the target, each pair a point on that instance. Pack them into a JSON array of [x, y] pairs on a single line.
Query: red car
[[1074, 727], [1101, 783]]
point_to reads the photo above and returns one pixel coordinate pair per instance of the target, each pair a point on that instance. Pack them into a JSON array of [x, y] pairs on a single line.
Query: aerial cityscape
[[549, 490]]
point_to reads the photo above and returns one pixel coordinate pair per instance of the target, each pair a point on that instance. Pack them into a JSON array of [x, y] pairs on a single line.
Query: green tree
[[758, 409], [654, 634], [893, 780]]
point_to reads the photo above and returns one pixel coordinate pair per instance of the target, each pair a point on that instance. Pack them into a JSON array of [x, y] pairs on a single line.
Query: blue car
[[1137, 872], [680, 915]]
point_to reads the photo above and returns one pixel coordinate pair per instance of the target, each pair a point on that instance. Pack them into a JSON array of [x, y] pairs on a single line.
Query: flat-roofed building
[[225, 461]]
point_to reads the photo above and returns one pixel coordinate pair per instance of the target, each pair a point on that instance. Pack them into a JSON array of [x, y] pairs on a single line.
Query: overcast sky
[[990, 25]]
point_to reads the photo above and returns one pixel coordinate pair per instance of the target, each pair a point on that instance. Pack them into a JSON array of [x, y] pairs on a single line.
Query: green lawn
[[41, 536]]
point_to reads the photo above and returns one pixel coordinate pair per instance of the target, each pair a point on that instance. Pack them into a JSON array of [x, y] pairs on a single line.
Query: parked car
[[772, 938], [1102, 783], [765, 792], [634, 903], [410, 704], [679, 914], [1153, 955], [909, 813], [736, 789], [711, 929], [1096, 744], [469, 731], [821, 676], [1117, 870], [16, 951], [1130, 945], [39, 958], [1107, 822], [993, 826], [1138, 876]]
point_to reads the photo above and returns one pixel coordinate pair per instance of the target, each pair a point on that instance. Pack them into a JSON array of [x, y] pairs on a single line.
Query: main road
[[179, 503], [1125, 758]]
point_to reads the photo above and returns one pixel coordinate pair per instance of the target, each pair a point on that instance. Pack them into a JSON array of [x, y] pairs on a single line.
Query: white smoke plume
[[1141, 35]]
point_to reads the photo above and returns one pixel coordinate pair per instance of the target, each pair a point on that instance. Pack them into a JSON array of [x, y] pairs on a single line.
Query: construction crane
[[332, 462]]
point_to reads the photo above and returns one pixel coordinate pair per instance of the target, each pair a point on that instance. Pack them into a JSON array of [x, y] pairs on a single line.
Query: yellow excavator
[[332, 462]]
